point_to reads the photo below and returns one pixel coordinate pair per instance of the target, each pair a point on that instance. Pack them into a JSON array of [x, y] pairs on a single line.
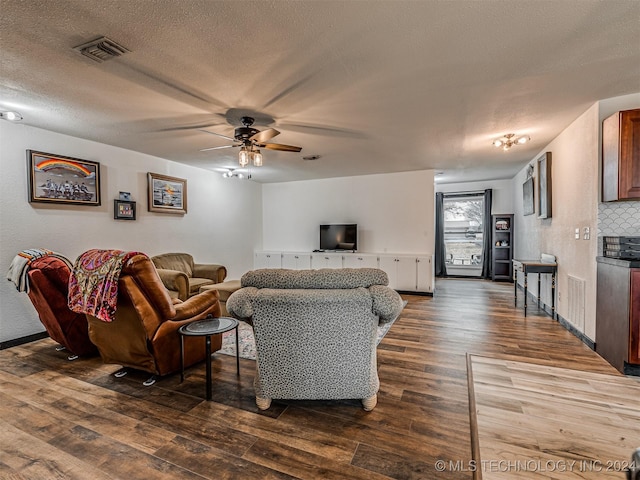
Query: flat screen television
[[339, 237]]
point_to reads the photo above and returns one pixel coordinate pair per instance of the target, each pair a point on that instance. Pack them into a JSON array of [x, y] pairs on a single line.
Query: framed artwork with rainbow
[[60, 179]]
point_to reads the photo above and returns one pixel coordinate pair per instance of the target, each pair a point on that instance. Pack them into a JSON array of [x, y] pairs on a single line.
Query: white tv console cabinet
[[407, 273]]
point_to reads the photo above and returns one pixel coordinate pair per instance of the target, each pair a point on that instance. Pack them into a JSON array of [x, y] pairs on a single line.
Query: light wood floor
[[74, 420], [536, 421]]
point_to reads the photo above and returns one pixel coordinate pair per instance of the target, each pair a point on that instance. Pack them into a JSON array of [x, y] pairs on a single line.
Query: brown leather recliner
[[144, 334], [183, 277], [48, 289]]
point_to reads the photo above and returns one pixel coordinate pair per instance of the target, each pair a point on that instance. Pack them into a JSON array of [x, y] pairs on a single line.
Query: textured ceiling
[[370, 86]]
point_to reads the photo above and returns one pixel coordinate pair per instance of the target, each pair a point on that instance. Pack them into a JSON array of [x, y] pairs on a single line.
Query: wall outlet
[[577, 234], [587, 234]]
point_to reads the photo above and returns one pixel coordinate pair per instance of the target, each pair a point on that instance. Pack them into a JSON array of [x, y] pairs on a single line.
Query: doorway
[[463, 234]]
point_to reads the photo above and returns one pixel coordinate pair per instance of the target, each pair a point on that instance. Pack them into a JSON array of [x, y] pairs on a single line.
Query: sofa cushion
[[225, 289], [181, 262], [326, 278], [196, 283]]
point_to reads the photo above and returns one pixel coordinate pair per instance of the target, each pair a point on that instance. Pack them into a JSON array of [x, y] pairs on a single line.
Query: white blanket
[[19, 267]]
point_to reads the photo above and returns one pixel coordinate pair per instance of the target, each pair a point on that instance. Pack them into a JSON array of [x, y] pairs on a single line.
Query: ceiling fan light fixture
[[250, 140], [256, 156], [243, 157], [509, 140]]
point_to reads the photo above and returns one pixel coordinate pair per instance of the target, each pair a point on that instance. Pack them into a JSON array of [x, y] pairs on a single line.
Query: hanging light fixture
[[256, 157], [243, 157], [509, 140], [249, 154]]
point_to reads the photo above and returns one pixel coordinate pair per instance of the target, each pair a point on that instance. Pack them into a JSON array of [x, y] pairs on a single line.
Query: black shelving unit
[[502, 248]]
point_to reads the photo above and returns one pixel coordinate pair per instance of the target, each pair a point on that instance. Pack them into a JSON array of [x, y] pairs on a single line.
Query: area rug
[[247, 342], [532, 421]]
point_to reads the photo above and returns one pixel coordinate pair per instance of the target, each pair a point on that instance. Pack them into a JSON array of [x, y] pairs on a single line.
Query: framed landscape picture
[[544, 186], [167, 194], [62, 180]]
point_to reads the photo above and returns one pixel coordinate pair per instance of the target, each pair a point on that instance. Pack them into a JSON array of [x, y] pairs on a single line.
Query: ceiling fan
[[250, 141]]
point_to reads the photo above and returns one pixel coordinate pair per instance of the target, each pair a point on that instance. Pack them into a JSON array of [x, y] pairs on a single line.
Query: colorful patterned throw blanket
[[93, 286], [20, 264]]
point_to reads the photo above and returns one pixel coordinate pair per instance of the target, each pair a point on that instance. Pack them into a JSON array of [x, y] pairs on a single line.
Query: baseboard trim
[[561, 320], [22, 340], [631, 369], [577, 333], [409, 292]]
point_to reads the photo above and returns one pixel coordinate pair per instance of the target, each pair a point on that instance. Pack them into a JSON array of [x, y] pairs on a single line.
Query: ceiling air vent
[[101, 49]]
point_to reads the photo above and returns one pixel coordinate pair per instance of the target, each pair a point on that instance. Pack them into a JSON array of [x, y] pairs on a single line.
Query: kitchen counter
[[618, 262]]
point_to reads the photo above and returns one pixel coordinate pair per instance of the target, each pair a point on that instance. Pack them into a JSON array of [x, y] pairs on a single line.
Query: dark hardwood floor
[[75, 420]]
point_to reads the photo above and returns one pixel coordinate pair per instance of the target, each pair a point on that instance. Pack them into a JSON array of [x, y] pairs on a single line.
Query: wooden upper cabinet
[[621, 156]]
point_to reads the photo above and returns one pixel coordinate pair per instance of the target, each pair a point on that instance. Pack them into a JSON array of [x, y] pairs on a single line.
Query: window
[[463, 237]]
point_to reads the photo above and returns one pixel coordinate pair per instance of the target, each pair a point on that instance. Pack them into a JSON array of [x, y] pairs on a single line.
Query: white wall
[[576, 160], [223, 223], [394, 212]]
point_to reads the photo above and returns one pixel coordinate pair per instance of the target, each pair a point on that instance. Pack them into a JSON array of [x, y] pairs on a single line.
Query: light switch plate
[[577, 234]]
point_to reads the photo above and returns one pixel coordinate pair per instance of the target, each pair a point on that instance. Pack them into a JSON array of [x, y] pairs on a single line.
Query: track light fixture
[[11, 116], [231, 173]]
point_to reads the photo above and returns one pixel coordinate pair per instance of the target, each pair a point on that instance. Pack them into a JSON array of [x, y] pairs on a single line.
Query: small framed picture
[[124, 210]]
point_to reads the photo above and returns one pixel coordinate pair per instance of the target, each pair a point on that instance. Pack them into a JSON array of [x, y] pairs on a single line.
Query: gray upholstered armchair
[[182, 277], [316, 331]]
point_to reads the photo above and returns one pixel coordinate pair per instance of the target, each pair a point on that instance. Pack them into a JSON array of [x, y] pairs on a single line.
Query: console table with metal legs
[[206, 328], [539, 267]]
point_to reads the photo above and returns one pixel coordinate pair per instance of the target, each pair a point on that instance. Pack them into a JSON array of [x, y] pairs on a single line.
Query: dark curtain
[[486, 236], [440, 250]]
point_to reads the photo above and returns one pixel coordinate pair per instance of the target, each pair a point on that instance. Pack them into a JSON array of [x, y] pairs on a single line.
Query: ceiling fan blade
[[217, 134], [322, 130], [189, 127], [218, 148], [264, 135], [281, 147]]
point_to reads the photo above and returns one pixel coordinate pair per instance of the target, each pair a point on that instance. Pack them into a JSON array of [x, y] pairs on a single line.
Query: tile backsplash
[[618, 219]]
